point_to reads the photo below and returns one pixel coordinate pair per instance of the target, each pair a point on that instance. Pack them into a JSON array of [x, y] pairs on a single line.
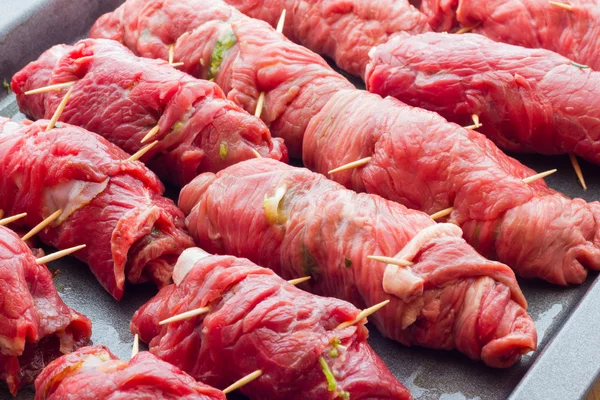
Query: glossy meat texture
[[35, 325], [528, 100], [112, 205], [426, 163], [95, 373], [259, 321], [245, 57], [300, 223], [417, 157], [122, 97], [343, 30], [574, 33]]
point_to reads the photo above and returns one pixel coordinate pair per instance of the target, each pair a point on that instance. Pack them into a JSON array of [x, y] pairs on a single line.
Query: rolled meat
[[528, 100], [341, 29], [299, 223], [408, 155], [123, 97], [95, 373], [35, 325], [113, 205], [570, 28], [257, 321]]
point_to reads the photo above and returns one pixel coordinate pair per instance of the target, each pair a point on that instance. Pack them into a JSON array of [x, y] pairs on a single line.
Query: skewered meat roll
[[257, 321], [113, 205], [406, 154], [35, 325], [299, 223], [569, 28], [95, 373], [341, 29], [123, 97], [527, 100]]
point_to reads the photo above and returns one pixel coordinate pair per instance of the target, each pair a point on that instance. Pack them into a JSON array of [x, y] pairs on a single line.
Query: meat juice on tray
[[36, 326], [409, 155]]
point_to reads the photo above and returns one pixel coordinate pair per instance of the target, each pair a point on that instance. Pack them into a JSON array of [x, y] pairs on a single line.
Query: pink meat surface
[[528, 100], [318, 228], [95, 373], [122, 97], [219, 42], [344, 30], [417, 157], [259, 321], [573, 33], [112, 205], [35, 325], [426, 163]]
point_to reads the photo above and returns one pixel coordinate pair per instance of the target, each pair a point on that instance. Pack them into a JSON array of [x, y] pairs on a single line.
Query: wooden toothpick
[[36, 229], [59, 110], [58, 254]]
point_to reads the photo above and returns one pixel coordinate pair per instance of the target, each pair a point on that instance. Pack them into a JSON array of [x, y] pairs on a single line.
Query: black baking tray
[[564, 367]]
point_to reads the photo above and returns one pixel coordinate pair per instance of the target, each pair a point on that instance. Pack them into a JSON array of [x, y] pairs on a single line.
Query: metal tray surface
[[567, 319]]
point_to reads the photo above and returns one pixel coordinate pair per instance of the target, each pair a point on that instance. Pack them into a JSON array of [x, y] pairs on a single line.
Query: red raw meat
[[417, 157], [112, 205], [259, 321], [344, 30], [35, 325], [95, 373], [298, 83], [528, 100], [122, 97], [299, 223], [529, 23]]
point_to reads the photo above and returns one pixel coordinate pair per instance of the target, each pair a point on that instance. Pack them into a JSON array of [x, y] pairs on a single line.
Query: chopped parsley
[[6, 86], [218, 53], [331, 383], [347, 262], [223, 150], [579, 65]]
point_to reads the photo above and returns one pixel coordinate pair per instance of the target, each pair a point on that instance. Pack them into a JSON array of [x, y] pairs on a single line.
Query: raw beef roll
[[112, 205], [123, 97], [95, 373], [408, 155], [571, 29], [533, 101], [299, 223], [257, 321], [35, 325]]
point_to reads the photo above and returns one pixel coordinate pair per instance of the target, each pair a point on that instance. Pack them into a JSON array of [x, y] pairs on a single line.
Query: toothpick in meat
[[140, 153], [391, 260], [244, 381], [8, 220], [353, 164], [58, 254], [135, 349], [36, 229], [577, 169], [50, 88], [531, 179], [476, 123], [566, 6], [150, 134], [363, 314], [59, 110]]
